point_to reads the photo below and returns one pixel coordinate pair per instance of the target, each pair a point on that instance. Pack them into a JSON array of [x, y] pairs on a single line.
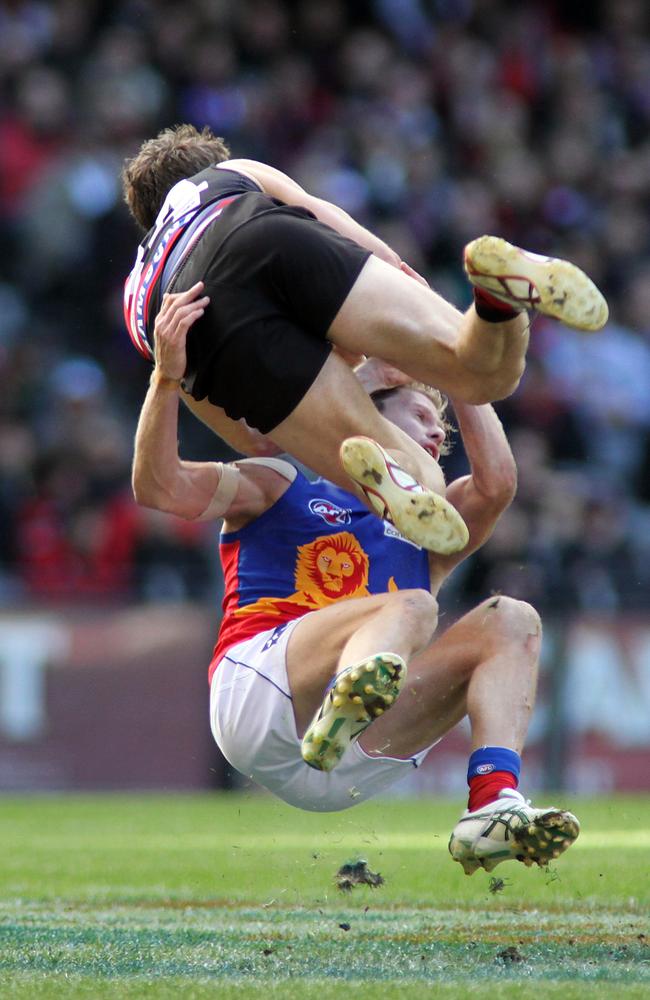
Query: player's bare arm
[[483, 495], [279, 185], [161, 479]]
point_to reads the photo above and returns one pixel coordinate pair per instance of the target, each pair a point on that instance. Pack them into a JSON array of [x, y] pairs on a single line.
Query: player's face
[[415, 414]]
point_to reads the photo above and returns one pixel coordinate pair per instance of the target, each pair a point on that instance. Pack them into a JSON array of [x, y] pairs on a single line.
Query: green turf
[[233, 897]]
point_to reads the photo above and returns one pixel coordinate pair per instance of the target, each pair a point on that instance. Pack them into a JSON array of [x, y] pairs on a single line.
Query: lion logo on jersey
[[331, 568]]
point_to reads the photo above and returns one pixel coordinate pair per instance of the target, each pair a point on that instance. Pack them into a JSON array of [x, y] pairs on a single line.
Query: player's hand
[[176, 315], [412, 273], [375, 374]]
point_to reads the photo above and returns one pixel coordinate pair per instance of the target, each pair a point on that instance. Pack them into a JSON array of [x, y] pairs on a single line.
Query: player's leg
[[340, 410], [330, 286], [484, 666], [480, 356], [253, 721], [335, 408], [359, 648], [391, 316]]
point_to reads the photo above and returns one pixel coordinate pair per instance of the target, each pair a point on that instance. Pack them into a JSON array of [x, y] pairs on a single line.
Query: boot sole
[[357, 696], [546, 838], [418, 513], [539, 842], [551, 286]]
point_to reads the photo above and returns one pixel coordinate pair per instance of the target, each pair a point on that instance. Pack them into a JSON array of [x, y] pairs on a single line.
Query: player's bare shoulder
[[262, 482], [272, 181], [253, 169]]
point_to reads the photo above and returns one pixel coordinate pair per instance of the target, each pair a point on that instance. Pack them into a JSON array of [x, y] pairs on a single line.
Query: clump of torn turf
[[356, 873], [509, 956], [497, 885]]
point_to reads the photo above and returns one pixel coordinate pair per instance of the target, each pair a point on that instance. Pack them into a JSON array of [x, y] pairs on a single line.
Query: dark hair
[[174, 154]]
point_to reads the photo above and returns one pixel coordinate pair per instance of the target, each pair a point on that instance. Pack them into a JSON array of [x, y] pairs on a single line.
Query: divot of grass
[[354, 873]]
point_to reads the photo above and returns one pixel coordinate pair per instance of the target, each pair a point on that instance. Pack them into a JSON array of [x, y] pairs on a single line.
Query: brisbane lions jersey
[[188, 210], [316, 545]]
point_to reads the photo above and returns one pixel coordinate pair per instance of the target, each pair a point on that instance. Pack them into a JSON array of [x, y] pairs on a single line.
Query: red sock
[[489, 308], [485, 788]]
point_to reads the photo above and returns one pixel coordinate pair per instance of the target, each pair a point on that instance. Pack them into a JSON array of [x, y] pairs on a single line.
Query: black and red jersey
[[189, 209]]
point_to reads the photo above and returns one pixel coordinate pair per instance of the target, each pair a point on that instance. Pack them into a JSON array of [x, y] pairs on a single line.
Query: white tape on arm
[[225, 493], [284, 469]]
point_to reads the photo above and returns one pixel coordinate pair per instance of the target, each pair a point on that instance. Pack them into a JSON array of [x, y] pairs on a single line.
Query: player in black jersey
[[288, 277]]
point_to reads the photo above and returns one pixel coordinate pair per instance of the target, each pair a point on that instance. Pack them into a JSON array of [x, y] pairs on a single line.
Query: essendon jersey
[[316, 545], [189, 208]]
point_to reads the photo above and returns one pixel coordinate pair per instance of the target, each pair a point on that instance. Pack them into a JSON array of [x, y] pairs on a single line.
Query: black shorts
[[276, 278]]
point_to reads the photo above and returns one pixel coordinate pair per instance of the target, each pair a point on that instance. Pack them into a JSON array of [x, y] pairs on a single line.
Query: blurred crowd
[[430, 121]]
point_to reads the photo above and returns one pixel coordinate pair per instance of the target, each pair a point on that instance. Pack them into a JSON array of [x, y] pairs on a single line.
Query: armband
[[225, 493]]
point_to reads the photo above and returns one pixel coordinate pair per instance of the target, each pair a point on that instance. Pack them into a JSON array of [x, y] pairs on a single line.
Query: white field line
[[420, 841]]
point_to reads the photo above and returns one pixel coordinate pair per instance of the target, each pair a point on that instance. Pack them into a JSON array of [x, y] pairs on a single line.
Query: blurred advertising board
[[118, 699], [106, 699]]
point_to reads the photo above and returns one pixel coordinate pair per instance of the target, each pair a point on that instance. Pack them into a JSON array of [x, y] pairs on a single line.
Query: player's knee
[[421, 603], [500, 384], [512, 619], [419, 612], [525, 619]]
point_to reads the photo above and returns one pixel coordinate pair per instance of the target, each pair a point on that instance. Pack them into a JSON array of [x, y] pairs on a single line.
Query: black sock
[[491, 309]]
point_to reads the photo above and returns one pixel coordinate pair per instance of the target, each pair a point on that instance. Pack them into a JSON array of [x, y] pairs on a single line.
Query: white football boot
[[355, 697], [419, 514], [527, 280], [511, 829]]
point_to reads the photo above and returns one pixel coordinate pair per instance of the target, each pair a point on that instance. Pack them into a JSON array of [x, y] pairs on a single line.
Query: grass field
[[233, 896]]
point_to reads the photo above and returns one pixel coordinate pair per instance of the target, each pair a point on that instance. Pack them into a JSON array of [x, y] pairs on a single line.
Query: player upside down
[[322, 596], [292, 283]]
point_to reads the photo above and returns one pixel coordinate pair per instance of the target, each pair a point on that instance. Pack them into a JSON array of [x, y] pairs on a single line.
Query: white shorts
[[251, 714]]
